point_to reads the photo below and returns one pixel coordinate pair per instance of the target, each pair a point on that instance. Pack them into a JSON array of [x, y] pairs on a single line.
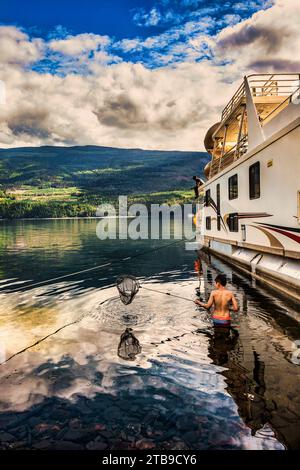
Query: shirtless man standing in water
[[220, 299]]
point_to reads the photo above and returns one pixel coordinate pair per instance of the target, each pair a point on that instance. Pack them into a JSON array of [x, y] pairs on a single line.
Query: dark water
[[175, 384]]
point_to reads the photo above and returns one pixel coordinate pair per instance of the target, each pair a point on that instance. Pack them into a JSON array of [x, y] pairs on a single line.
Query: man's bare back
[[221, 298]]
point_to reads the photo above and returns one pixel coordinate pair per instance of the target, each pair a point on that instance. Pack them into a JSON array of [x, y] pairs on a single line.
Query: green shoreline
[[15, 208]]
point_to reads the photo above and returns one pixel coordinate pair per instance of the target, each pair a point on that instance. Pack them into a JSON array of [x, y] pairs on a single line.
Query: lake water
[[70, 383]]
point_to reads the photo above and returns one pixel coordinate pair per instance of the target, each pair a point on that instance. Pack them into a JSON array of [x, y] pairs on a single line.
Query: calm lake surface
[[181, 385]]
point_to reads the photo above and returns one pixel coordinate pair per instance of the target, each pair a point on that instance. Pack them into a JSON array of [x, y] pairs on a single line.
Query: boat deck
[[270, 95]]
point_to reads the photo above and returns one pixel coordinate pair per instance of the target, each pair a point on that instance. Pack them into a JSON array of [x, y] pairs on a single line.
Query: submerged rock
[[20, 432], [18, 445], [94, 445], [176, 445], [113, 412], [186, 423], [83, 408], [6, 437], [78, 435], [134, 428], [121, 445], [44, 445], [33, 421], [75, 423], [191, 437], [99, 427], [145, 444], [67, 445]]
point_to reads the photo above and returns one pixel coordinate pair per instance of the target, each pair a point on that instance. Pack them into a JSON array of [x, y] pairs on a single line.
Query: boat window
[[218, 208], [254, 181], [233, 187], [233, 222], [208, 223], [207, 197]]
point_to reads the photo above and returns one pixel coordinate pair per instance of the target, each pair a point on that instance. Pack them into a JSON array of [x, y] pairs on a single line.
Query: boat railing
[[234, 102], [291, 98], [233, 154], [274, 90], [274, 85], [264, 85]]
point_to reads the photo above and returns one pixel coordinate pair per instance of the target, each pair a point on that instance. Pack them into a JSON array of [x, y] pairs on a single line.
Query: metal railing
[[233, 154], [281, 85], [234, 102], [261, 85], [282, 105]]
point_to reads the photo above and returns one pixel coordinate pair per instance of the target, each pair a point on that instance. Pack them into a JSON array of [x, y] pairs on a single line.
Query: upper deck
[[228, 140]]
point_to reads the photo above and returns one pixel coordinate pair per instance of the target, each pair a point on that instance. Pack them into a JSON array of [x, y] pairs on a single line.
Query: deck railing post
[[223, 146], [240, 133]]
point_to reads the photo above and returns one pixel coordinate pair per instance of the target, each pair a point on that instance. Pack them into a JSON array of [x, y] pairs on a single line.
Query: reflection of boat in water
[[251, 215], [248, 382], [247, 387]]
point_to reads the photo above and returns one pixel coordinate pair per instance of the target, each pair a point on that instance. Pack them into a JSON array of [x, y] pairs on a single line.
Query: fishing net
[[129, 346], [128, 287]]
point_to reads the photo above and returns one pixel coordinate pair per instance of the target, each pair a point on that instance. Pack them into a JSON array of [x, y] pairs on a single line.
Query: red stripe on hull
[[283, 232]]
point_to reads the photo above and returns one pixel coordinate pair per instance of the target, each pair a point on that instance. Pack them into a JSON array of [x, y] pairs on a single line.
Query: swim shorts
[[219, 322]]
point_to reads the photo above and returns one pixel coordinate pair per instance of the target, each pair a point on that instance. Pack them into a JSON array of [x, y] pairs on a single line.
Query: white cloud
[[17, 48], [129, 105], [76, 45], [148, 19], [268, 41], [155, 17], [128, 45], [178, 44], [122, 105], [80, 54]]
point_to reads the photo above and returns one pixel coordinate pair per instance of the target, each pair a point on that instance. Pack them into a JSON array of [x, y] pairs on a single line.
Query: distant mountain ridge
[[42, 182], [106, 170]]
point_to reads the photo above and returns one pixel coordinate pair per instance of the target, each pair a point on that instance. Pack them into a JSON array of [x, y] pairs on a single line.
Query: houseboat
[[251, 210]]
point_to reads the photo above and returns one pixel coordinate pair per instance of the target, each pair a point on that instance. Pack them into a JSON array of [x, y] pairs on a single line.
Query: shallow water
[[188, 387]]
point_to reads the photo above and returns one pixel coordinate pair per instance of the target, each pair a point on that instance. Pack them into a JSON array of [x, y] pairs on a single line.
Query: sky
[[133, 73]]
